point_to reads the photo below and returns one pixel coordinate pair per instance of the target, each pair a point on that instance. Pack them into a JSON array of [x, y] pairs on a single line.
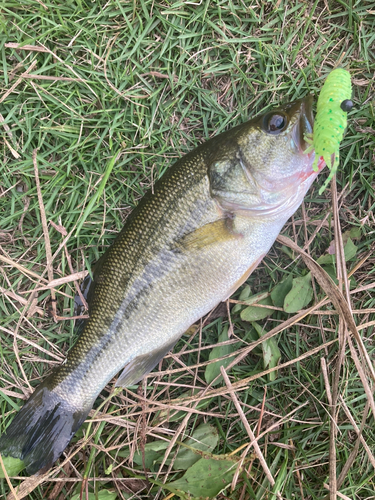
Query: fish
[[187, 246]]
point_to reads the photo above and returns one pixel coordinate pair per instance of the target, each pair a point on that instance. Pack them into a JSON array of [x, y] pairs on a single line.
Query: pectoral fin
[[142, 365], [209, 234]]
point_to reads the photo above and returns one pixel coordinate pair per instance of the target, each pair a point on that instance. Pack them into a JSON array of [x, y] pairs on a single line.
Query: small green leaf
[[107, 495], [355, 233], [153, 451], [271, 352], [12, 465], [213, 369], [205, 479], [287, 251], [281, 290], [245, 294], [108, 470], [204, 438], [90, 496], [255, 299], [331, 271], [300, 295], [326, 259], [102, 495], [253, 313], [350, 250], [158, 445]]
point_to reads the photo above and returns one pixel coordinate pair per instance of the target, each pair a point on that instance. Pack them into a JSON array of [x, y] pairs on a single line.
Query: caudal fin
[[41, 430]]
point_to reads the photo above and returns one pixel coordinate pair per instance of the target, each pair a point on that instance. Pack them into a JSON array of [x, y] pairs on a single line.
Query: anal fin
[[142, 365]]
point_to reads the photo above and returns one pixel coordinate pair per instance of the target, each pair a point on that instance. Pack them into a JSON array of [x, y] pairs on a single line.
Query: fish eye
[[346, 105], [274, 123]]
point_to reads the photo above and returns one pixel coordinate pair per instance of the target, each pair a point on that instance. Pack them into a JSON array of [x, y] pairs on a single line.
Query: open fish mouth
[[304, 125], [303, 128]]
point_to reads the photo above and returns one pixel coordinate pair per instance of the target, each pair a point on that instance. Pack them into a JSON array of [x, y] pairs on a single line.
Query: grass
[[115, 93]]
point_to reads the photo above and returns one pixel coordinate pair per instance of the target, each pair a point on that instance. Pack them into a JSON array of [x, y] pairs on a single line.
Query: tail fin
[[42, 429]]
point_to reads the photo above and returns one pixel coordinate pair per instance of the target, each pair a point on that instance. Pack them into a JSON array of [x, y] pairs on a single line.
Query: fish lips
[[305, 123], [302, 129]]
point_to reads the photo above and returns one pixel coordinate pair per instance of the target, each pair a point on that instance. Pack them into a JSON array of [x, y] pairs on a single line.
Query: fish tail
[[42, 429]]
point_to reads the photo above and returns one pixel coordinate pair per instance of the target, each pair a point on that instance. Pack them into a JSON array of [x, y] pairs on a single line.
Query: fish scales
[[128, 281], [185, 247], [142, 292]]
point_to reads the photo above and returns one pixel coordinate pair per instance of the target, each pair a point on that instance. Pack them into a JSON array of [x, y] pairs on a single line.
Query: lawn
[[97, 100]]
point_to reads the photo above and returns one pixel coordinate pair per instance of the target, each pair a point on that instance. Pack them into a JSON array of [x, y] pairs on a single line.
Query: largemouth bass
[[211, 219]]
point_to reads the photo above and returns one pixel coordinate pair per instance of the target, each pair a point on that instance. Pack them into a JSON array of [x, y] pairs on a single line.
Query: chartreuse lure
[[334, 102]]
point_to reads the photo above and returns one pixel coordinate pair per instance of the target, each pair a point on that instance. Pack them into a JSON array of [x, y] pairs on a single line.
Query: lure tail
[[42, 429]]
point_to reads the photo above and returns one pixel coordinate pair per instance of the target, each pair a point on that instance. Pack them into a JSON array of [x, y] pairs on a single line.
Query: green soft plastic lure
[[334, 102]]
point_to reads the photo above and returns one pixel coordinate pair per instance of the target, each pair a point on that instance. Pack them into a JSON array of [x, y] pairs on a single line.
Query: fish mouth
[[304, 124]]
